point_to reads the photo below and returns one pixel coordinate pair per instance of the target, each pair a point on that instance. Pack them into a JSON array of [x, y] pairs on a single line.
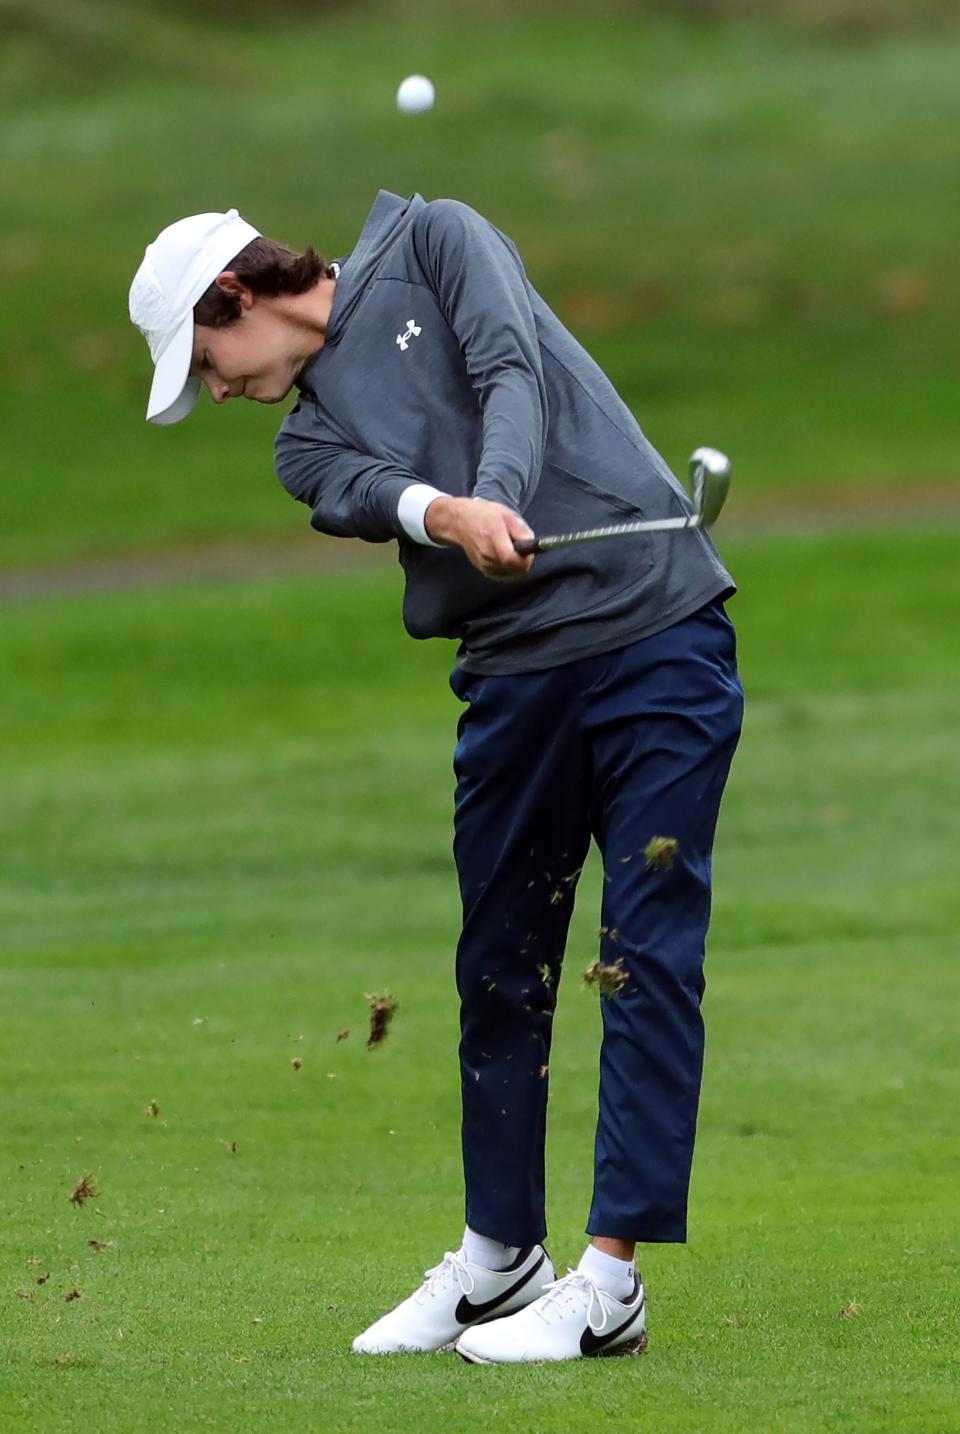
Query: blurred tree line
[[113, 23], [74, 45]]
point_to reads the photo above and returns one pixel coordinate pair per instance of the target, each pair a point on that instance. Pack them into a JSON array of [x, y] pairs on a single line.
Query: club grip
[[526, 546]]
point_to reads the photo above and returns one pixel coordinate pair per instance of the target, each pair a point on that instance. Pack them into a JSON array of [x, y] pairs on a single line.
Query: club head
[[709, 481]]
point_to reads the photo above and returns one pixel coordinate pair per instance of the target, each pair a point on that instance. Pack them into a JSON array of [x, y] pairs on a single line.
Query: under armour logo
[[413, 332]]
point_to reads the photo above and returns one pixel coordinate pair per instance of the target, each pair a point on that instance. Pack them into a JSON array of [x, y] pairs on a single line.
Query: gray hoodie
[[443, 366]]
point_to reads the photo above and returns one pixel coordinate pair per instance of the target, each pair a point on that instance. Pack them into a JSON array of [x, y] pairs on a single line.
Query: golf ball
[[416, 95]]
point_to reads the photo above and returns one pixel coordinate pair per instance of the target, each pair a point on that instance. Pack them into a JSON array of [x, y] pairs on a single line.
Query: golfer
[[441, 405]]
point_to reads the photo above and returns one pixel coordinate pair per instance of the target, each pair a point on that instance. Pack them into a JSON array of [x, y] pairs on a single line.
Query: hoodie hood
[[387, 220]]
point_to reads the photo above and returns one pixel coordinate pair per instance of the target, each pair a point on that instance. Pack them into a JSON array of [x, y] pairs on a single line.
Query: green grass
[[225, 809], [743, 221], [231, 804]]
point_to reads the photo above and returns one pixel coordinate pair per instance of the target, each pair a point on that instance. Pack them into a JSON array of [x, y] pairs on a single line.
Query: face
[[250, 358]]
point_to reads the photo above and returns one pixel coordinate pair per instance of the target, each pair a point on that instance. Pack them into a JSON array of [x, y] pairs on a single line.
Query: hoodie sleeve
[[350, 494], [476, 273]]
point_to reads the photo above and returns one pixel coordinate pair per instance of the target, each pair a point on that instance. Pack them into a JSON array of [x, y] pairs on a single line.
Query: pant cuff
[[638, 1230], [505, 1234]]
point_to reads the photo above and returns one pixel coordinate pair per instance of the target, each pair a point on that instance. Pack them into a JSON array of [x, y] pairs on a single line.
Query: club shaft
[[525, 546], [709, 481]]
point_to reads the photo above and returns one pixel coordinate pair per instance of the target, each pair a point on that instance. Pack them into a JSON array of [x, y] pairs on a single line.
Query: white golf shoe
[[573, 1319], [455, 1295]]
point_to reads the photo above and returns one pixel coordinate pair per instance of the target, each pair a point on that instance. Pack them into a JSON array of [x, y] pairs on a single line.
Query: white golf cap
[[178, 267]]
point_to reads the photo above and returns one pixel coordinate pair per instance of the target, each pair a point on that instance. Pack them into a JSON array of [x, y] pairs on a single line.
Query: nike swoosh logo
[[590, 1341], [468, 1313]]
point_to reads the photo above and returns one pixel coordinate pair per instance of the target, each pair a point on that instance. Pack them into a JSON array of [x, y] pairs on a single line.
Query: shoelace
[[572, 1290], [450, 1267]]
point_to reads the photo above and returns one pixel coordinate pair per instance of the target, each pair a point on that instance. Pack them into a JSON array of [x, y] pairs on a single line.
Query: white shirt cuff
[[412, 509]]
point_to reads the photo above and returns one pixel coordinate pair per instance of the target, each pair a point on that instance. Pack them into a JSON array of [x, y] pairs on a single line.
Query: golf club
[[708, 481]]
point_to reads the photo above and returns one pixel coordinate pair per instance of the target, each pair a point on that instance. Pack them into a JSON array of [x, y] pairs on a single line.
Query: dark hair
[[269, 269]]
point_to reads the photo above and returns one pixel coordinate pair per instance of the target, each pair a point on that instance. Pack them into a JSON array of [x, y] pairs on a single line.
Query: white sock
[[613, 1276], [488, 1253]]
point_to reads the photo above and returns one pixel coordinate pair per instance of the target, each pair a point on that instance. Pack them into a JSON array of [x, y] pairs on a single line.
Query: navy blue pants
[[626, 746]]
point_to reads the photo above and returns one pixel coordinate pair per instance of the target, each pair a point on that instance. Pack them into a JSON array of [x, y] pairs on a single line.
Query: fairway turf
[[226, 816]]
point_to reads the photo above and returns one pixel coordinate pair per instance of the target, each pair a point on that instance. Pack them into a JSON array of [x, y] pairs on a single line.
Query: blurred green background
[[748, 214], [225, 783]]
